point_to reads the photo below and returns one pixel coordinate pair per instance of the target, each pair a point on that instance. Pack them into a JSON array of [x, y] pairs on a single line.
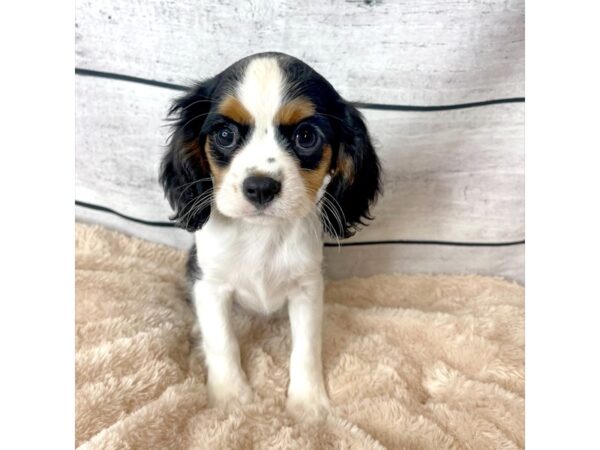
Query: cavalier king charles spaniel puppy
[[264, 160]]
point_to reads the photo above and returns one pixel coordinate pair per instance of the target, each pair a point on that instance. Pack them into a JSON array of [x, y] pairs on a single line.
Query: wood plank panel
[[450, 175], [424, 53], [507, 262], [453, 175], [119, 140]]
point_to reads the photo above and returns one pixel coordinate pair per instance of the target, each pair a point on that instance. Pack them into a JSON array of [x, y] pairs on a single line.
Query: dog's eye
[[226, 137], [306, 137]]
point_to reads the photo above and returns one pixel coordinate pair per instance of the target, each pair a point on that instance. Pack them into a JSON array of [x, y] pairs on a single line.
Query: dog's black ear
[[185, 172], [356, 183]]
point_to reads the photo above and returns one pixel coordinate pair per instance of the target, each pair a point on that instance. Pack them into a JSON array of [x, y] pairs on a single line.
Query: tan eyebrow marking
[[233, 108], [294, 111]]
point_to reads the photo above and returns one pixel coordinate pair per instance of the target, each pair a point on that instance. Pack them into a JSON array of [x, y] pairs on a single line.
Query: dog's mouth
[[261, 218], [252, 215]]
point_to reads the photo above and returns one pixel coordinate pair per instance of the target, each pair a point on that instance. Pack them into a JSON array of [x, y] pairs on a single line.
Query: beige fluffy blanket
[[411, 362]]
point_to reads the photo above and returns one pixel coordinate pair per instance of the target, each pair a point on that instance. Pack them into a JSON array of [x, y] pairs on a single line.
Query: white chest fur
[[259, 264]]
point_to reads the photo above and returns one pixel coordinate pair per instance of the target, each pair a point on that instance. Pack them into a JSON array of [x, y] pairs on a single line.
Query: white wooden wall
[[454, 176]]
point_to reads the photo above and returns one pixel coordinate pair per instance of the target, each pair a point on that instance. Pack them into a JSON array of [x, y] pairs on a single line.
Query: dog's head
[[268, 139]]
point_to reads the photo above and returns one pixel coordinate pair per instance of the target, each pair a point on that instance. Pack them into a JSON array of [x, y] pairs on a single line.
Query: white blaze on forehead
[[261, 90]]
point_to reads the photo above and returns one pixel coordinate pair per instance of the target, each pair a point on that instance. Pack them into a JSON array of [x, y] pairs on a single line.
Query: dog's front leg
[[306, 392], [226, 379]]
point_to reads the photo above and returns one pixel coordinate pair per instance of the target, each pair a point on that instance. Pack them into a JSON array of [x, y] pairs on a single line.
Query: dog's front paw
[[309, 404], [222, 393]]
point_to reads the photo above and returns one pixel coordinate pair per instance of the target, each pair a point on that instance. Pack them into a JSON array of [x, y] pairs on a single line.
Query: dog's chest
[[264, 275], [262, 266]]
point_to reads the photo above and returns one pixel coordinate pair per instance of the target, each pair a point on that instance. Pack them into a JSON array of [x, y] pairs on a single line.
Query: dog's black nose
[[260, 190]]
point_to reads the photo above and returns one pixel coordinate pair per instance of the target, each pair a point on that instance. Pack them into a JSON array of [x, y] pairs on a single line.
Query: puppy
[[264, 159]]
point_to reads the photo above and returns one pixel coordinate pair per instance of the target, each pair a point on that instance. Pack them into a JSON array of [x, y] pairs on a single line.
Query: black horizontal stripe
[[360, 105], [327, 244], [419, 242], [118, 76], [124, 216], [385, 107]]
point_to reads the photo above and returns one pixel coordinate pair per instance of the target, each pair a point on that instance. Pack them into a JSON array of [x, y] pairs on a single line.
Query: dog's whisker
[[313, 227], [336, 203], [335, 213], [204, 100], [196, 210], [196, 198], [201, 207], [194, 118], [329, 206], [323, 214], [193, 202], [193, 182], [187, 186], [332, 228]]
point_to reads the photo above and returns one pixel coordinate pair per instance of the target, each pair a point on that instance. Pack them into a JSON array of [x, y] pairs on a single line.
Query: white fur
[[263, 267], [263, 262], [261, 90]]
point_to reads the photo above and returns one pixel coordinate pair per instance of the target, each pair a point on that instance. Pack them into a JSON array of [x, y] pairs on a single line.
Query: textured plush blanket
[[415, 362]]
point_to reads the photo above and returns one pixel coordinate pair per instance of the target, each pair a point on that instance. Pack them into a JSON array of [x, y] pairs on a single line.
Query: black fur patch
[[193, 271]]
